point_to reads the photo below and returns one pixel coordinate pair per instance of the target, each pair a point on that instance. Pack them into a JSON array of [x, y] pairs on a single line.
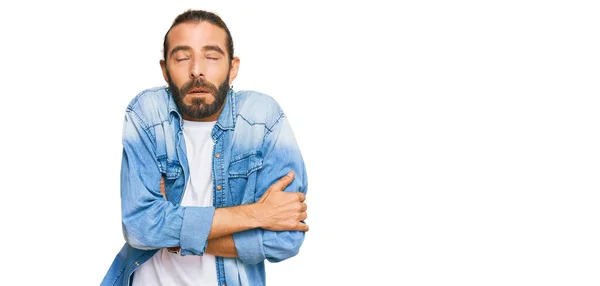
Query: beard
[[199, 109]]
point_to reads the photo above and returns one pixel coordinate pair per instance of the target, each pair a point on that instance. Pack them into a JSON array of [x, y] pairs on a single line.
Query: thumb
[[282, 183]]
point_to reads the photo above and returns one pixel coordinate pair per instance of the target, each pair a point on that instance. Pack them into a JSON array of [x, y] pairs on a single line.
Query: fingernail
[[290, 173]]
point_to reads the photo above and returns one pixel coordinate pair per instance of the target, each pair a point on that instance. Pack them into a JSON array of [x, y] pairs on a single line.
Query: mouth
[[198, 90]]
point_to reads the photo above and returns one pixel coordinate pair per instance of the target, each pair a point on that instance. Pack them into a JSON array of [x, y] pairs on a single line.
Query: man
[[204, 169]]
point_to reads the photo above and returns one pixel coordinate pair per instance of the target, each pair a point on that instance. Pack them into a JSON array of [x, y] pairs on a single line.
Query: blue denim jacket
[[254, 147]]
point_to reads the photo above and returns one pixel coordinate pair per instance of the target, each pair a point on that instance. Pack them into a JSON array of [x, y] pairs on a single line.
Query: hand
[[277, 210]]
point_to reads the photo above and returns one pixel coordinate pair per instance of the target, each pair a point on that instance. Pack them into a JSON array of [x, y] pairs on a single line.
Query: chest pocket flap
[[170, 169], [244, 165]]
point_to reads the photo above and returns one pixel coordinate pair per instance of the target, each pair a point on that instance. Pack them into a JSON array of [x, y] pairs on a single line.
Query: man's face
[[198, 69]]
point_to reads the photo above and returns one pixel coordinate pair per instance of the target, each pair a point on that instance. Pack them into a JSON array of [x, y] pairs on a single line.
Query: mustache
[[197, 83]]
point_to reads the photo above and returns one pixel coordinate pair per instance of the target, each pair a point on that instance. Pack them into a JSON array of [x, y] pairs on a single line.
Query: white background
[[446, 142]]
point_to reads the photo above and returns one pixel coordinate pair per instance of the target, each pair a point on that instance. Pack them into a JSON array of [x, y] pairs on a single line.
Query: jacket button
[[217, 155], [219, 188]]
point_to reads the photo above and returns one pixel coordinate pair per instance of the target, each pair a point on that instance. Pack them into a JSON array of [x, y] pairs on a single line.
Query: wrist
[[253, 214]]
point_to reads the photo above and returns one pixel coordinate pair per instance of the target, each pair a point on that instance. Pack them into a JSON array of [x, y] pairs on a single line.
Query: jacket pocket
[[242, 177], [244, 165]]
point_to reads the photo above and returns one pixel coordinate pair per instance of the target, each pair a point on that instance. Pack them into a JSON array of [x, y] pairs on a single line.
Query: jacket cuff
[[249, 246], [195, 228]]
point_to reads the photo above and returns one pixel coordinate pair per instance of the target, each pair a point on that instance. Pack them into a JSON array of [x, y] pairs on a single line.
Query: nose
[[197, 69]]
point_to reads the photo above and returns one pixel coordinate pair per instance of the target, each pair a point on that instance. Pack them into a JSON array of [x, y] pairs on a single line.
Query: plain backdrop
[[446, 142]]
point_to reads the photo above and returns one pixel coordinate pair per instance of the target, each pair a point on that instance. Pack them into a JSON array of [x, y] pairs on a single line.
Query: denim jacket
[[254, 147]]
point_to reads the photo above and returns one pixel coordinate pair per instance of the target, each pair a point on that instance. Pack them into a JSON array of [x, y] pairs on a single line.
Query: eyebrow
[[213, 48], [205, 48], [179, 48]]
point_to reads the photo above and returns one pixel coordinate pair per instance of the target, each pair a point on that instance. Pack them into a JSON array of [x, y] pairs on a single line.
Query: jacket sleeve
[[280, 155], [149, 221]]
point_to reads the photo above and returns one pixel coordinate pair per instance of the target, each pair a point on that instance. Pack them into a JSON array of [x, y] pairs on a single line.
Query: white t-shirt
[[165, 268]]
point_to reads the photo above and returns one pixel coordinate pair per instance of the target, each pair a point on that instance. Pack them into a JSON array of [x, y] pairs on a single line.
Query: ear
[[163, 66], [235, 65]]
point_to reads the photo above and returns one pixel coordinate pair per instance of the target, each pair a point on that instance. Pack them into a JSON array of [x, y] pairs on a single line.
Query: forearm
[[222, 246], [227, 221], [234, 219]]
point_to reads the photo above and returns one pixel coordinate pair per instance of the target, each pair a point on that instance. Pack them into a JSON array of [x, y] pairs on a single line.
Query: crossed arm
[[276, 210]]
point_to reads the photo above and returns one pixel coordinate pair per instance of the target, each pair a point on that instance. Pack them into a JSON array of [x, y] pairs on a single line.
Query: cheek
[[218, 75], [179, 75]]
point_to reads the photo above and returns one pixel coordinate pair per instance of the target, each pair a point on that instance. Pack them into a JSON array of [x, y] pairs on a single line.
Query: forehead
[[197, 35]]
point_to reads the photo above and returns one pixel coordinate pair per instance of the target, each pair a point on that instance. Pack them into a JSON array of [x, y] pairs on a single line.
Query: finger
[[303, 207], [303, 216], [302, 226], [282, 183], [162, 185], [301, 196]]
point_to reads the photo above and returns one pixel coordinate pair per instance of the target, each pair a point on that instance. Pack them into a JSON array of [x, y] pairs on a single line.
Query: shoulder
[[148, 99], [256, 107], [151, 105]]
